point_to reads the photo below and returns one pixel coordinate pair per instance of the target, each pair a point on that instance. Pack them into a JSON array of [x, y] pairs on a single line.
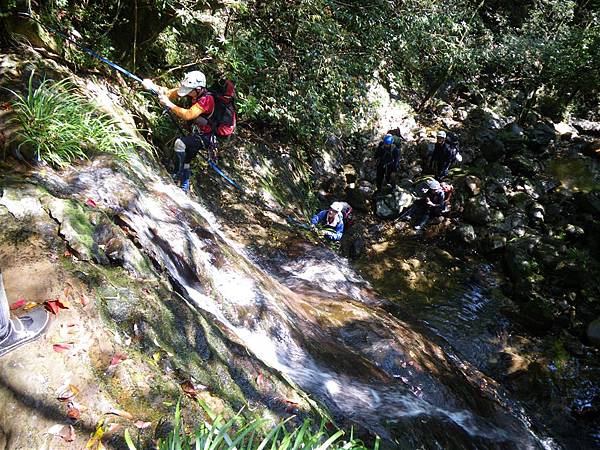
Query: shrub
[[61, 125]]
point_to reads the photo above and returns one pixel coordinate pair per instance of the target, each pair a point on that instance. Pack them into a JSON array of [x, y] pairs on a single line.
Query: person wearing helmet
[[332, 220], [193, 86], [388, 159], [443, 156]]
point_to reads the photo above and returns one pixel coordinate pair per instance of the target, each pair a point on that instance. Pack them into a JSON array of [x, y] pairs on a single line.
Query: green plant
[[239, 433], [60, 125]]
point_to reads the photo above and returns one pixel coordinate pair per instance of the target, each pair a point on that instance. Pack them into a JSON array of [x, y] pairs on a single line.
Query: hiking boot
[[178, 163], [25, 329], [185, 180]]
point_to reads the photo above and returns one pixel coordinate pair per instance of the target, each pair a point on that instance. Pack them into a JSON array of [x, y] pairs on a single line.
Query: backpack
[[347, 215], [452, 140], [224, 118]]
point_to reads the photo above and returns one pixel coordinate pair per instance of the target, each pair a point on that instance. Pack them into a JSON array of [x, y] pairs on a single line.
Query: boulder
[[493, 150], [477, 210], [360, 196], [472, 185], [382, 208], [349, 173], [466, 233], [540, 136], [593, 332], [565, 131], [494, 242], [403, 199], [536, 212], [522, 164], [586, 127]]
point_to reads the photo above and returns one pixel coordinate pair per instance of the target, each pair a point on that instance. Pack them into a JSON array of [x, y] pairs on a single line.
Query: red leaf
[[67, 254], [73, 413], [84, 300], [18, 304], [91, 202], [117, 359], [260, 380], [62, 347], [55, 305]]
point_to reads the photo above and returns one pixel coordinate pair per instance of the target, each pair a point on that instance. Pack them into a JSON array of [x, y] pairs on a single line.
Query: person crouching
[[332, 221]]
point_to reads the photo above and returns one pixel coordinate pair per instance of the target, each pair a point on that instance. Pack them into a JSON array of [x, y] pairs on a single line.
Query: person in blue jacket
[[332, 219]]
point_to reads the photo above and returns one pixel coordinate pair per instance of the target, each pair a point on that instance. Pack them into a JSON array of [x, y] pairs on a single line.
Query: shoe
[[25, 329], [178, 162], [185, 181]]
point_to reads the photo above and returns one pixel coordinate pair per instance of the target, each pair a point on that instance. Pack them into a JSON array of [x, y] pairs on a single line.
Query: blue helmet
[[388, 139]]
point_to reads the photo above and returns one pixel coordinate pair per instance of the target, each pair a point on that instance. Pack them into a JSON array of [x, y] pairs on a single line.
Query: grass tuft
[[62, 126]]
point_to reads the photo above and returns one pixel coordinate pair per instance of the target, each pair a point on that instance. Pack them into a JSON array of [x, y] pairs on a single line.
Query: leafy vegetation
[[61, 126], [240, 434]]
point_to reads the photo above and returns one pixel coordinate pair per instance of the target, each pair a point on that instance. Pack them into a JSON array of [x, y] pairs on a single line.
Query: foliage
[[61, 126], [238, 433]]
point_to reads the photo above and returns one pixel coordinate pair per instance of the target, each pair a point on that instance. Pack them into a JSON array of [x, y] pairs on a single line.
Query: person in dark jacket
[[443, 156], [388, 158], [430, 203], [333, 221]]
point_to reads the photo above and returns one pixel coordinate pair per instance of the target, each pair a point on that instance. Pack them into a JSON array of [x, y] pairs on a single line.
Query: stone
[[565, 131], [349, 173], [466, 233], [493, 150], [403, 198], [536, 212], [472, 185], [494, 242], [521, 164], [593, 332], [541, 135], [477, 210], [586, 127], [383, 210]]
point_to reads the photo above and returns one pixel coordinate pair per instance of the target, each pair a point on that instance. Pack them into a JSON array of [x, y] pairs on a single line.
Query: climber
[[445, 154], [21, 330], [332, 220], [429, 204], [388, 158], [199, 113]]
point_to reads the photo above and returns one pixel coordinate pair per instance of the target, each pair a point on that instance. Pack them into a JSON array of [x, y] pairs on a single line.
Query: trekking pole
[[127, 73]]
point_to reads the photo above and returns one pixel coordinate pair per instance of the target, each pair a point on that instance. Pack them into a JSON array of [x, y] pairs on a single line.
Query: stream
[[307, 314]]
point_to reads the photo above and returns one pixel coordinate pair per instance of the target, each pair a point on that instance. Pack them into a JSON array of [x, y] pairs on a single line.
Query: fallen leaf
[[121, 413], [66, 432], [67, 254], [84, 300], [55, 305], [95, 442], [73, 413], [189, 389], [67, 392], [62, 347], [112, 429], [91, 202], [19, 303], [142, 425], [260, 380], [117, 359], [30, 305]]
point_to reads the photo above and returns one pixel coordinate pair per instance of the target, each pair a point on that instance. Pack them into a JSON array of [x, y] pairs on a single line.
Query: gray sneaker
[[25, 329]]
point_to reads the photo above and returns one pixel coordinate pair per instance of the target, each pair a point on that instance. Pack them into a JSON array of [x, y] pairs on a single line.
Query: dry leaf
[[189, 389], [73, 413], [65, 432], [30, 305], [55, 305], [117, 359], [67, 392], [84, 300], [19, 303], [91, 202], [62, 347], [95, 442]]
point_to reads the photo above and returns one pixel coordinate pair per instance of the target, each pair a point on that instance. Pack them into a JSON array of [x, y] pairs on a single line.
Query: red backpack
[[224, 117]]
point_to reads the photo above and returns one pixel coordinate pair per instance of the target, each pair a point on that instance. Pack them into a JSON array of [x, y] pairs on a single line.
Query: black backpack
[[223, 119]]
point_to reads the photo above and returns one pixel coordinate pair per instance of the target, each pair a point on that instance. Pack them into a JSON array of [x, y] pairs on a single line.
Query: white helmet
[[337, 206], [192, 80], [441, 134]]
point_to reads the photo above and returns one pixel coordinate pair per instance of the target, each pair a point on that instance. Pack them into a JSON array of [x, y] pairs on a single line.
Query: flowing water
[[306, 313]]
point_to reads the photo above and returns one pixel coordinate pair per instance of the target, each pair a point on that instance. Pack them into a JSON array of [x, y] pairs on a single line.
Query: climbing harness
[[134, 77]]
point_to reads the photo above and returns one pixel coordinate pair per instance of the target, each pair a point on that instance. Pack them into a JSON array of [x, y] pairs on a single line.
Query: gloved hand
[[149, 85], [328, 234]]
